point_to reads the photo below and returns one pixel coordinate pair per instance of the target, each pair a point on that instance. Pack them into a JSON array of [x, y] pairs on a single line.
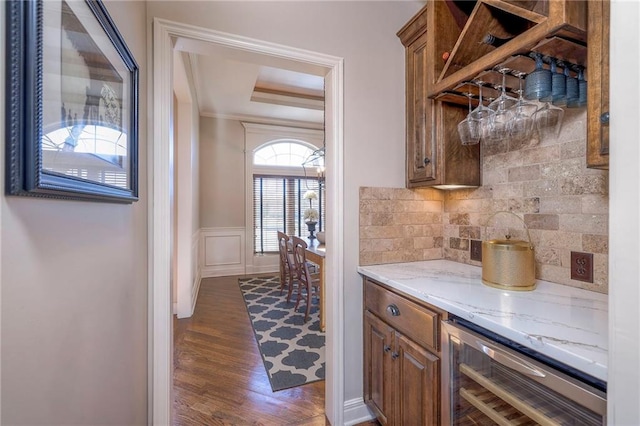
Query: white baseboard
[[222, 272], [262, 269], [356, 411]]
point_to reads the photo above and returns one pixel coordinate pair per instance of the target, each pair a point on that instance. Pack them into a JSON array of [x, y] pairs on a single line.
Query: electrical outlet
[[582, 266], [476, 250]]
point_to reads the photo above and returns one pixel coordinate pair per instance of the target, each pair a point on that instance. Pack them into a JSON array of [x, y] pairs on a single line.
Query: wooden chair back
[[300, 258], [285, 267], [305, 280]]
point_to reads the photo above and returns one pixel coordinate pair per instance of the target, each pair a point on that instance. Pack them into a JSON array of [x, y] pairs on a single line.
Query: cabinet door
[[421, 150], [598, 85], [378, 341], [417, 392]]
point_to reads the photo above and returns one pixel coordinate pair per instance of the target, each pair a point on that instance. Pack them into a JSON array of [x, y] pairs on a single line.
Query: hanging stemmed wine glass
[[521, 121], [481, 113], [499, 121], [548, 119], [469, 129]]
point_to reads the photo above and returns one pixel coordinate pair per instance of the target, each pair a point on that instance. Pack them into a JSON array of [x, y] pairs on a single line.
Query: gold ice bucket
[[509, 264]]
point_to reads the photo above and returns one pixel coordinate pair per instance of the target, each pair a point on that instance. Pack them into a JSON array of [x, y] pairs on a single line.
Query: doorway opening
[[160, 176]]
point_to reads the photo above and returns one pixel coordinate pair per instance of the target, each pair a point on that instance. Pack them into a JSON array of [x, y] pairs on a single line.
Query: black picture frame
[[71, 103]]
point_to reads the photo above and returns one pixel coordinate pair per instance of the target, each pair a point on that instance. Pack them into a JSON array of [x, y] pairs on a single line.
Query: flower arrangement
[[311, 215], [310, 195]]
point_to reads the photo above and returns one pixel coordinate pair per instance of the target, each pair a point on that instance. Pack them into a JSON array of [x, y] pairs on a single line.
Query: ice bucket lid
[[518, 245]]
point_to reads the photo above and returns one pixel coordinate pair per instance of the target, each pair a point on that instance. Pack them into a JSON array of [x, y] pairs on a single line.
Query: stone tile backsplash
[[400, 225], [545, 183]]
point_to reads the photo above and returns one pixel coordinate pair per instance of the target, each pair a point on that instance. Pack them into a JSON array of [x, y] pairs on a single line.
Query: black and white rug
[[292, 350]]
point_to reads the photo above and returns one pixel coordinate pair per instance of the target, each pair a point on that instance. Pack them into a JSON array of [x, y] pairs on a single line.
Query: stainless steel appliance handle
[[505, 359]]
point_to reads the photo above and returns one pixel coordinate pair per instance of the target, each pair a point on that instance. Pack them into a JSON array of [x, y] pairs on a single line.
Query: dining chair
[[294, 282], [307, 282], [287, 273]]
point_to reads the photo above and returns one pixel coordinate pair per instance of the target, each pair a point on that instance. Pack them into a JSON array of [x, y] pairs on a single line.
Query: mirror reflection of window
[[94, 152]]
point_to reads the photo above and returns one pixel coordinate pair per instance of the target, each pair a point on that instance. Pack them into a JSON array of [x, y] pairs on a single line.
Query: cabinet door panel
[[418, 384], [598, 85], [421, 155], [378, 341]]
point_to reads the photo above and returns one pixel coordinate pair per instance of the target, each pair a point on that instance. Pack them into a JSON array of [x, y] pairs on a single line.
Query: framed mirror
[[72, 103]]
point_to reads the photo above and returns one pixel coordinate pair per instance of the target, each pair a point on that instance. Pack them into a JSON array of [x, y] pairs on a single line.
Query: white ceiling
[[242, 85]]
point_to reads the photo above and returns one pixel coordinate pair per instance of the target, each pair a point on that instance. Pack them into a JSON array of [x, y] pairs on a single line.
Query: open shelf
[[563, 50], [495, 408]]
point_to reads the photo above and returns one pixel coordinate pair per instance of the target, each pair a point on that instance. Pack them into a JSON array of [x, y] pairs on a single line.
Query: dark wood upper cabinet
[[444, 51], [598, 81], [435, 156]]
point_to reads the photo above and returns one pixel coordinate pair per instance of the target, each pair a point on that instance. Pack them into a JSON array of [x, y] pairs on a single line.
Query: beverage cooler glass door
[[486, 383]]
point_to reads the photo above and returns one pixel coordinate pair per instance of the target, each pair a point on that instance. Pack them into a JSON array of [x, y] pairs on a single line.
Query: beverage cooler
[[488, 380]]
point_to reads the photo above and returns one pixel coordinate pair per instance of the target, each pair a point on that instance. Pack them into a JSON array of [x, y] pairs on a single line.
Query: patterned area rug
[[292, 350]]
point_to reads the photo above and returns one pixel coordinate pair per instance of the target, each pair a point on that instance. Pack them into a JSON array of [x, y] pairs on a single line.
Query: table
[[316, 253]]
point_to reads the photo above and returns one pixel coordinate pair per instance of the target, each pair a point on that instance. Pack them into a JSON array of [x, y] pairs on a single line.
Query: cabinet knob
[[604, 118], [387, 348], [393, 310], [395, 355], [427, 160]]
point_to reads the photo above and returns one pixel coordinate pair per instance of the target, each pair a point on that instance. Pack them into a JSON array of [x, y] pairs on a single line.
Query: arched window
[[291, 154], [286, 195]]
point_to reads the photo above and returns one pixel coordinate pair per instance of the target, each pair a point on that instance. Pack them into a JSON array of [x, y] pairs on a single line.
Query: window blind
[[278, 205]]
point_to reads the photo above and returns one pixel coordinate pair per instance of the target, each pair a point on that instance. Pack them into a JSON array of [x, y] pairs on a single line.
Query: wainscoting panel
[[223, 251]]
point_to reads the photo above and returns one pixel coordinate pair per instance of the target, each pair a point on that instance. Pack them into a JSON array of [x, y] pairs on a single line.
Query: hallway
[[219, 378]]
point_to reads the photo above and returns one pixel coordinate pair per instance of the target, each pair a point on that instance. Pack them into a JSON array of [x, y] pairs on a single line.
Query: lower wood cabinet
[[401, 358]]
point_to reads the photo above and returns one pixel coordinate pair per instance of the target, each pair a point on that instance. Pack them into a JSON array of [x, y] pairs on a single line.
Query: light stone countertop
[[564, 323]]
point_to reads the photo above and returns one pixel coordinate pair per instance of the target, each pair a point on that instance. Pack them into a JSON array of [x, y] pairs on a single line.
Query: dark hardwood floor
[[219, 377]]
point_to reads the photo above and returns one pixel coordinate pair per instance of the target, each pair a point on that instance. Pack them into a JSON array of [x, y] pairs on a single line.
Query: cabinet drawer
[[413, 320]]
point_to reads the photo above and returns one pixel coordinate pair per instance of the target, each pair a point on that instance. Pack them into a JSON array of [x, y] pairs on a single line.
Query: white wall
[[221, 173], [186, 152], [363, 33], [74, 292], [624, 230]]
